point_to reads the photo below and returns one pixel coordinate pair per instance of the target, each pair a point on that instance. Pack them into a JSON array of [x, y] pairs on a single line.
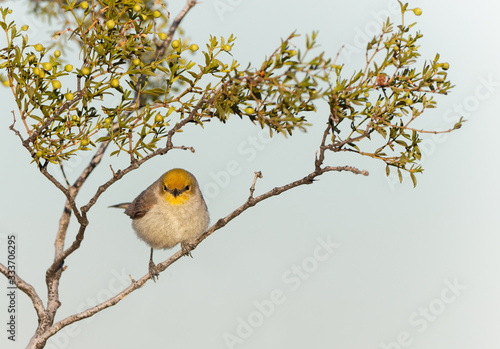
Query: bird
[[170, 211]]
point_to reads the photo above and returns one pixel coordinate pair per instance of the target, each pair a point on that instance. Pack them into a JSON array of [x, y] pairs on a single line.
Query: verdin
[[170, 211]]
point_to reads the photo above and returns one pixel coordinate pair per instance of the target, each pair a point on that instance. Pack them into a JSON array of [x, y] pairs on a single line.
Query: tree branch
[[250, 202], [69, 206], [27, 289], [17, 133], [252, 188]]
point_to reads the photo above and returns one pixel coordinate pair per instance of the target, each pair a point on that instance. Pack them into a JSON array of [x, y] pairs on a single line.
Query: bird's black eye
[[187, 187], [165, 187]]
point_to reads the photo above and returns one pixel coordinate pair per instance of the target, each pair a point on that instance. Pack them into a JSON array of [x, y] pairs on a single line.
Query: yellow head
[[178, 186]]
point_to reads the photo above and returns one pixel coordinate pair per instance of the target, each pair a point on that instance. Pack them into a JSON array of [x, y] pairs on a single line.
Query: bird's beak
[[176, 192]]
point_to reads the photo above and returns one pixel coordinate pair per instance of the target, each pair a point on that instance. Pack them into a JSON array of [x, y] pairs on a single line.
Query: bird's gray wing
[[143, 203]]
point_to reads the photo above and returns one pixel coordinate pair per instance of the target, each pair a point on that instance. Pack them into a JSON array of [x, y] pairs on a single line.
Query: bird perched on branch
[[170, 211]]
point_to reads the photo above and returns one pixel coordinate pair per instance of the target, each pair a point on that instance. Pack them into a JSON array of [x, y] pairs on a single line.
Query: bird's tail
[[124, 205]]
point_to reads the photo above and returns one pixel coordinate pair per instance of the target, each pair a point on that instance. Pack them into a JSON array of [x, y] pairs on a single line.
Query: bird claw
[[186, 248], [153, 271]]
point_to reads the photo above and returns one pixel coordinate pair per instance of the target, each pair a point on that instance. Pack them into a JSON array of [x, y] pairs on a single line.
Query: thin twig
[[338, 54], [183, 147], [64, 175], [321, 157], [11, 127], [252, 188], [67, 192]]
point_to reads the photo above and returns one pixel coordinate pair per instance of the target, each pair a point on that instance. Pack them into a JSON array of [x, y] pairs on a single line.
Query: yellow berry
[[84, 142], [136, 61], [417, 11], [69, 96], [156, 14], [408, 101], [24, 27], [249, 110], [158, 118], [56, 84], [6, 83], [68, 67], [194, 47], [226, 47], [47, 66], [446, 66], [39, 47], [176, 44], [57, 53], [115, 83], [110, 24], [85, 71], [162, 36], [36, 71], [39, 153], [84, 5], [137, 8], [143, 16], [107, 121], [368, 104]]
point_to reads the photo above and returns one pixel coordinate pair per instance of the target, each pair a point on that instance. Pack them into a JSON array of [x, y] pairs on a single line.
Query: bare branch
[[183, 147], [250, 202], [321, 157], [64, 175], [346, 169], [69, 193], [309, 179], [11, 127], [61, 232], [338, 54], [252, 188], [27, 289]]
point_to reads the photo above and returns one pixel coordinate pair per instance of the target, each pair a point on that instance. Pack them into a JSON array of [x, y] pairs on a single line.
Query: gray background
[[412, 268]]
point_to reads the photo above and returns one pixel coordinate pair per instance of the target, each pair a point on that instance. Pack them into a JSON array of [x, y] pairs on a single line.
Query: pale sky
[[349, 262]]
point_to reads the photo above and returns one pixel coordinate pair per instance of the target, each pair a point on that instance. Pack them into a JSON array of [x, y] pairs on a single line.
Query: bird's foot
[[153, 271], [186, 248]]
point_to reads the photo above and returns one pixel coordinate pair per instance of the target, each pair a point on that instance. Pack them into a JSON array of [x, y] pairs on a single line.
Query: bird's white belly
[[165, 227]]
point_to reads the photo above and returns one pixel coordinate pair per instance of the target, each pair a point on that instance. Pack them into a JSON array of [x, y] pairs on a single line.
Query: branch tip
[[258, 175]]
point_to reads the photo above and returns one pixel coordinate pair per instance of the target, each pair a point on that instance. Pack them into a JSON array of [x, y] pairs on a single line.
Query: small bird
[[170, 211]]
